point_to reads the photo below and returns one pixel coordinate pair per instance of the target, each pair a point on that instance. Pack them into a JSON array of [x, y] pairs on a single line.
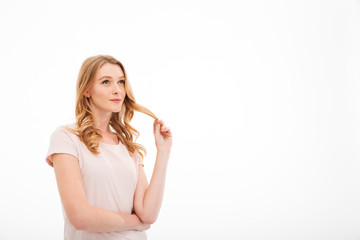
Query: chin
[[116, 110]]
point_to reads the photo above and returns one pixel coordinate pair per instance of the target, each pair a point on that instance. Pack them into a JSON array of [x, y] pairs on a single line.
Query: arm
[[80, 214], [148, 198]]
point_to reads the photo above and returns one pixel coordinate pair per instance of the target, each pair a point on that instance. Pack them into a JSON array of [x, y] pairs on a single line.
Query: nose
[[116, 89]]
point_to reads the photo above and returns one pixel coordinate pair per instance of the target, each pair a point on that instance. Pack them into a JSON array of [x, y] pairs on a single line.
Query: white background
[[262, 98]]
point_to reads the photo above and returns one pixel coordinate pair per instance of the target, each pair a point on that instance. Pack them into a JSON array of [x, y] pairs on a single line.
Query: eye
[[122, 81], [105, 82]]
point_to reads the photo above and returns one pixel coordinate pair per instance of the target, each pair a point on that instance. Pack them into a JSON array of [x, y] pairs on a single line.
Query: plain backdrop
[[262, 98]]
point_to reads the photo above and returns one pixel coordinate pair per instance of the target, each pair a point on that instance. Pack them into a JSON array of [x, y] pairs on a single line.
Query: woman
[[98, 166]]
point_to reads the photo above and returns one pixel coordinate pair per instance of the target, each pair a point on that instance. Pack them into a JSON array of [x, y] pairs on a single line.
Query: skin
[[108, 84]]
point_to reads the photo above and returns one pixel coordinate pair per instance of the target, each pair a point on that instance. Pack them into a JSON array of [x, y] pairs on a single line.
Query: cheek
[[98, 95], [123, 90]]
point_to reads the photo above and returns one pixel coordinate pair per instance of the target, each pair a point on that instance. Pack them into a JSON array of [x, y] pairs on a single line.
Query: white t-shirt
[[109, 178]]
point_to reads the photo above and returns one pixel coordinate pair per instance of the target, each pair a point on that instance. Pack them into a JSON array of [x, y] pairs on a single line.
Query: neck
[[101, 122]]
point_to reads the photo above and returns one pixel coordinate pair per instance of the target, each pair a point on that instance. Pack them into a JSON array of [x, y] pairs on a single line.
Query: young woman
[[98, 166]]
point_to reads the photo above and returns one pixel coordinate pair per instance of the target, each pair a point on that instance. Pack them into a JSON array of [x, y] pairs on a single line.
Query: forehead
[[109, 69]]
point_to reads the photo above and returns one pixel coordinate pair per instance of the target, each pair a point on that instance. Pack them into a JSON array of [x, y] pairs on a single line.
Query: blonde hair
[[119, 121]]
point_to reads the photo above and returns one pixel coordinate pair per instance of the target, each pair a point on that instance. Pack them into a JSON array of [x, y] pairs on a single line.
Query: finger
[[156, 127], [165, 129], [158, 132]]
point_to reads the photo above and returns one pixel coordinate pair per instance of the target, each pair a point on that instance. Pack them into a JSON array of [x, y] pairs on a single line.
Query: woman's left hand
[[163, 136]]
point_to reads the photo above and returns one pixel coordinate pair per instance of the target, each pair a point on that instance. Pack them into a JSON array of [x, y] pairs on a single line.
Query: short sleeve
[[61, 142], [138, 159]]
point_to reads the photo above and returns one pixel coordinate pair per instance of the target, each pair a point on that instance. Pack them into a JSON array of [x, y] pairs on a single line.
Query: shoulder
[[65, 133], [68, 129], [62, 140]]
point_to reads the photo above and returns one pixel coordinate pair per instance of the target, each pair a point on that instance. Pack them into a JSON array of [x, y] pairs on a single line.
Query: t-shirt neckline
[[109, 144]]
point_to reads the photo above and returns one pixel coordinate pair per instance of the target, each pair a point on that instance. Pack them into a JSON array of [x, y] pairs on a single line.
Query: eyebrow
[[122, 77]]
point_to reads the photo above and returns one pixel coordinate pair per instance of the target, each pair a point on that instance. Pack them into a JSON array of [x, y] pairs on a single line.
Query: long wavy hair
[[119, 121]]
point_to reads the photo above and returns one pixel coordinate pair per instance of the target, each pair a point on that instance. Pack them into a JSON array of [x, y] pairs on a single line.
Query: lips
[[117, 100]]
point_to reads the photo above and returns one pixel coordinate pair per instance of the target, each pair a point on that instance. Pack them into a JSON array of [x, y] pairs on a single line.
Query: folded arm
[[80, 214], [148, 197]]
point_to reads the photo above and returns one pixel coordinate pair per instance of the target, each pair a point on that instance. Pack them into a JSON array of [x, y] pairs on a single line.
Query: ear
[[87, 94]]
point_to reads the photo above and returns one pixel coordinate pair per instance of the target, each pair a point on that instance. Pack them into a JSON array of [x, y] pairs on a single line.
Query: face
[[107, 93]]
